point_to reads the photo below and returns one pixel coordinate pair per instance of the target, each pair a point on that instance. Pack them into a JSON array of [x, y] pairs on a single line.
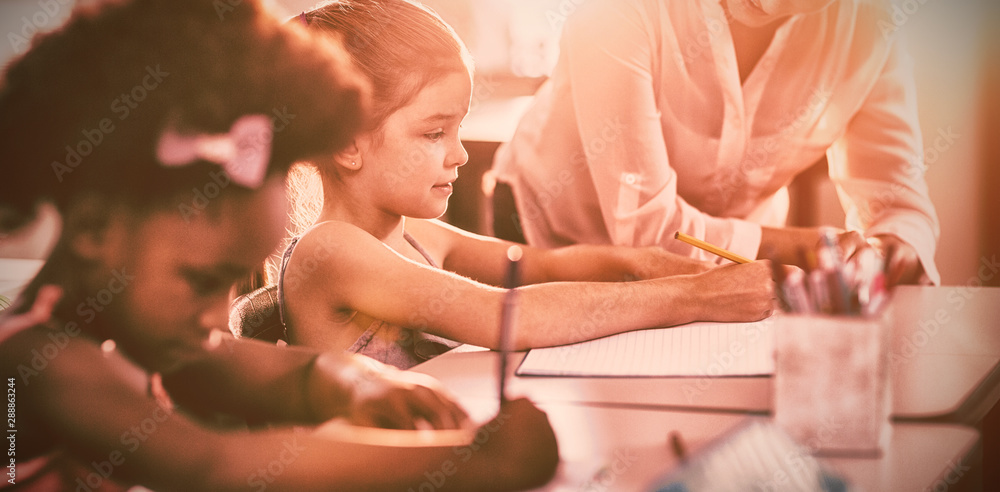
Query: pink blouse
[[645, 129]]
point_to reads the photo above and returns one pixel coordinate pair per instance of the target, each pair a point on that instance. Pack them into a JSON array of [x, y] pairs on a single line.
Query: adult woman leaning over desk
[[694, 116]]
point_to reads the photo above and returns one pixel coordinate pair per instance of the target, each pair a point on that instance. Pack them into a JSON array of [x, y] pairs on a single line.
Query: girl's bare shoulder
[[332, 236], [334, 249]]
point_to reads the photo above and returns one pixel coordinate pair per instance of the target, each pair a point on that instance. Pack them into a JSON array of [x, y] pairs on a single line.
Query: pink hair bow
[[243, 152]]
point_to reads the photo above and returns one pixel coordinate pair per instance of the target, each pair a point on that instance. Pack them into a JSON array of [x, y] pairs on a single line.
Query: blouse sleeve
[[878, 164], [611, 53]]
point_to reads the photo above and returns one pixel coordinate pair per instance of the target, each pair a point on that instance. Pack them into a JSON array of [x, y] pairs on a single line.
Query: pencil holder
[[832, 387]]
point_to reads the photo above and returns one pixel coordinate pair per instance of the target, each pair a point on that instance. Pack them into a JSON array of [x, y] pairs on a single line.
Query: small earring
[[354, 164]]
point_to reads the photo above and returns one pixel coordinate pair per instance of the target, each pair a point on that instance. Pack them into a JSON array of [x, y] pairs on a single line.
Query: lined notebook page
[[696, 349]]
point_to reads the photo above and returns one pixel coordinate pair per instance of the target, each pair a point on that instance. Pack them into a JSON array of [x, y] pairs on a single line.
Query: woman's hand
[[383, 396], [903, 263]]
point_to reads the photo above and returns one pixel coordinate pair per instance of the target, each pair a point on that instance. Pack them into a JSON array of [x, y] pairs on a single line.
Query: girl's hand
[[382, 396], [738, 292], [515, 450], [404, 400], [40, 312]]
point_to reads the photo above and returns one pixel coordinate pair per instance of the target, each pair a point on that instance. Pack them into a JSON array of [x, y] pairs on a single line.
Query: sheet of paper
[[695, 350], [15, 273]]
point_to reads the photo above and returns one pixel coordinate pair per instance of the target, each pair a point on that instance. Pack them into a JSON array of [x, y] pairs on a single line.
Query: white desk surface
[[951, 373], [633, 444]]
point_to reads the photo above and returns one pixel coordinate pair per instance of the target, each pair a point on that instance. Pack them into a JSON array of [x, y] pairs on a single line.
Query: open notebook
[[696, 350], [757, 455]]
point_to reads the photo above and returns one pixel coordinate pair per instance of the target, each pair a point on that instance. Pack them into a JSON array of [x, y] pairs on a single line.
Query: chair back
[[255, 315]]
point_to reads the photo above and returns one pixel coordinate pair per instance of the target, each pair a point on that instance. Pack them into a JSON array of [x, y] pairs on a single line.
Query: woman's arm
[[484, 258], [786, 244], [375, 280], [878, 167]]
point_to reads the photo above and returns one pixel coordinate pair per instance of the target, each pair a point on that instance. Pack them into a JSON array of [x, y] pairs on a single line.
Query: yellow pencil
[[698, 243]]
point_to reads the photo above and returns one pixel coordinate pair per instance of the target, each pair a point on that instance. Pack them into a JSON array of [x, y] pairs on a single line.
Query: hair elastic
[[243, 152]]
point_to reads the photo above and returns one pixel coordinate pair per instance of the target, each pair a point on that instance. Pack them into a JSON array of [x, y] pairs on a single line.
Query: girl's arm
[[483, 258], [361, 273], [96, 404], [254, 380]]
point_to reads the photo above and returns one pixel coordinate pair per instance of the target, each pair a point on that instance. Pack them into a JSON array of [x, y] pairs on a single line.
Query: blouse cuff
[[745, 238]]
